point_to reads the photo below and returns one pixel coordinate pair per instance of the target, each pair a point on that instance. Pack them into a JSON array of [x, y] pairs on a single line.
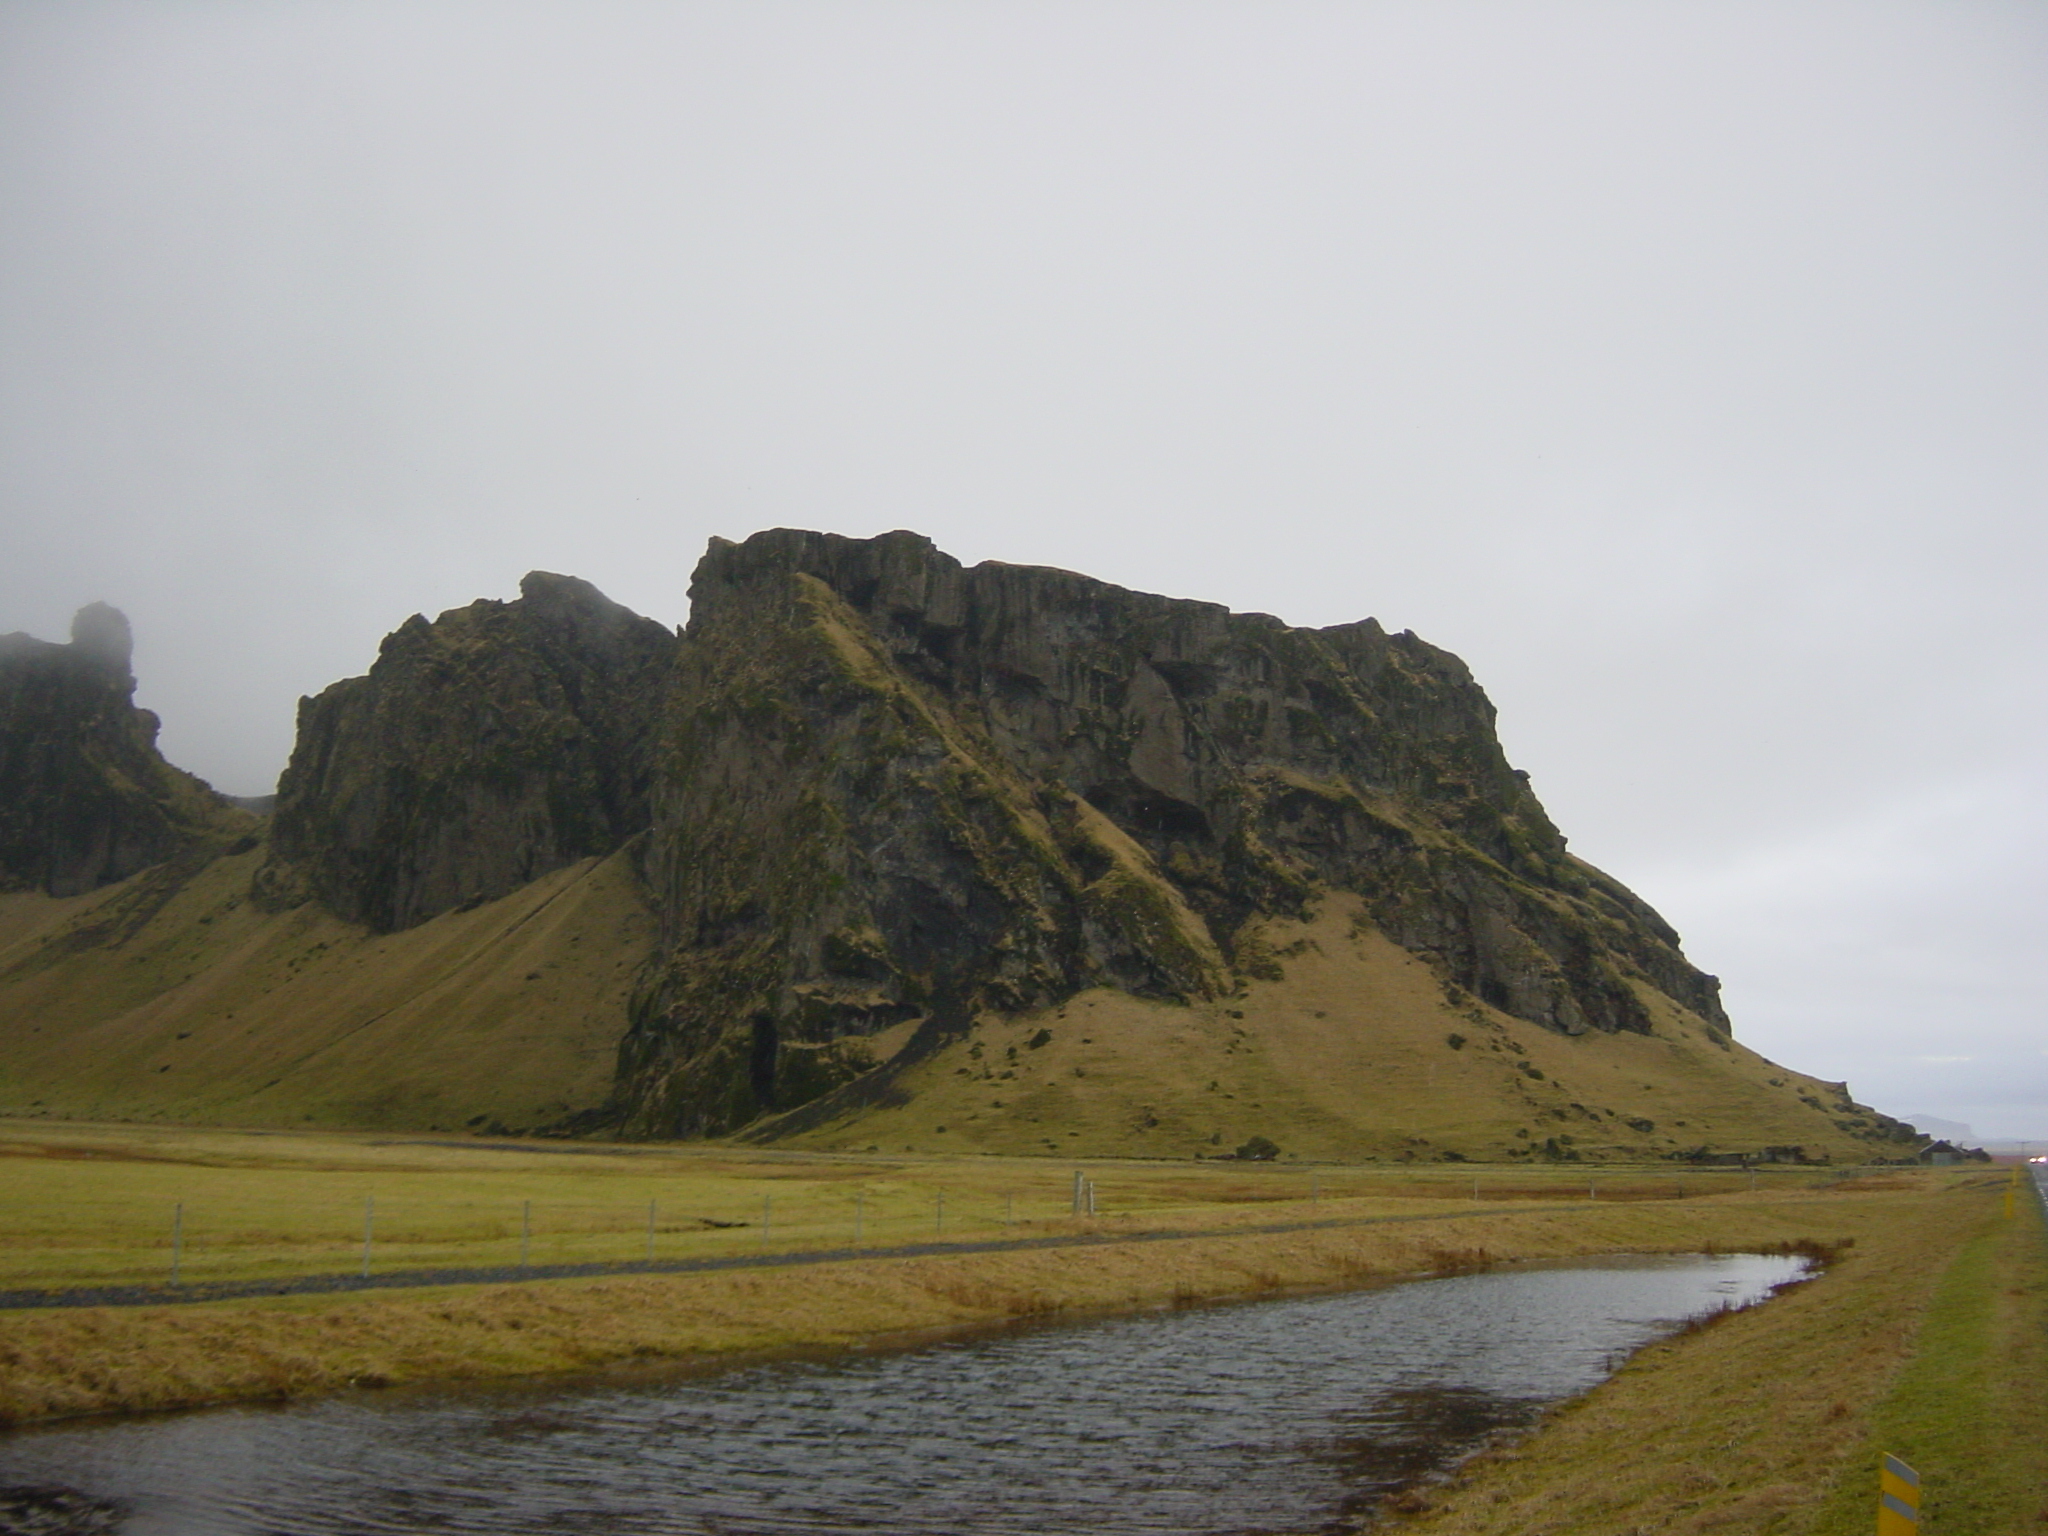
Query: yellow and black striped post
[[1898, 1498]]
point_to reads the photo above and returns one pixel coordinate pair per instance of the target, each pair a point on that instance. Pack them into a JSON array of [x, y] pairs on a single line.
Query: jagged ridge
[[868, 797], [896, 787]]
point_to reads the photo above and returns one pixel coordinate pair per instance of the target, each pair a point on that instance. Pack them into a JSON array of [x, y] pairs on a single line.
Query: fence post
[[1091, 1197], [767, 1217], [1077, 1191], [859, 1210], [177, 1240], [939, 1221], [650, 1231], [525, 1233], [369, 1226]]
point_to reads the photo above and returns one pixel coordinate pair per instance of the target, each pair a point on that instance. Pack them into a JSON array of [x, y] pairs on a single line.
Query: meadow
[[87, 1205], [1927, 1340], [1925, 1335]]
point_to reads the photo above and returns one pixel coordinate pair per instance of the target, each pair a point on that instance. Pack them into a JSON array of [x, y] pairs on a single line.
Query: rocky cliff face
[[85, 797], [871, 797], [894, 788], [483, 750], [879, 788]]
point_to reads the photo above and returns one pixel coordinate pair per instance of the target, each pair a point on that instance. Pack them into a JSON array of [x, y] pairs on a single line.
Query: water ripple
[[1294, 1414]]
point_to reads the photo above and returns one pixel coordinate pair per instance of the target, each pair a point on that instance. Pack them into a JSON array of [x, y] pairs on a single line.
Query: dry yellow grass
[[159, 1001], [1770, 1422], [189, 1003], [94, 1204], [1349, 1056], [55, 1363]]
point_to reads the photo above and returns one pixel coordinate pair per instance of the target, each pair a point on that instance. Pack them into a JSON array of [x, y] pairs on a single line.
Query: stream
[[1295, 1414]]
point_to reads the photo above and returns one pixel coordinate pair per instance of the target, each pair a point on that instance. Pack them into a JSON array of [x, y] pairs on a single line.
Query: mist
[[1681, 367]]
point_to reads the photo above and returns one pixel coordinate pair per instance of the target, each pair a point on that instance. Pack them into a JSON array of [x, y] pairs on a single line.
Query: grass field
[[1926, 1335], [92, 1205], [1929, 1341]]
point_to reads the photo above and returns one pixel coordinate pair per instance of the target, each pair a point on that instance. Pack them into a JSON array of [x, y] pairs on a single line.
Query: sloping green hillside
[[173, 996], [1355, 1051]]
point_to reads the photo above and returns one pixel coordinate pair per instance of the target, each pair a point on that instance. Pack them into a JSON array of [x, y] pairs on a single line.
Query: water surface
[[1282, 1415]]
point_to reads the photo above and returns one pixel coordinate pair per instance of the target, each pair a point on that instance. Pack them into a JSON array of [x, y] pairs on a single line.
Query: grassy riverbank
[[93, 1360], [1929, 1340], [1926, 1336]]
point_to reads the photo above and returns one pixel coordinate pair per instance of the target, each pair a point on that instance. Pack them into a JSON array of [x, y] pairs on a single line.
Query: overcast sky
[[1683, 367]]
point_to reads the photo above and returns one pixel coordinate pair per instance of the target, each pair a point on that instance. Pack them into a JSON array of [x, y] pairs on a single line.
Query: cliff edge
[[880, 848], [85, 797]]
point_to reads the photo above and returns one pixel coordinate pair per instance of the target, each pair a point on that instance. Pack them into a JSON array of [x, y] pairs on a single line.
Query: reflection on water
[[1277, 1415]]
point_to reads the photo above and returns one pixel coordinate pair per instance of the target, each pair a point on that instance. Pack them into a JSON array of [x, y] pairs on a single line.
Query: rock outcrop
[[482, 751], [879, 847], [85, 797], [895, 788]]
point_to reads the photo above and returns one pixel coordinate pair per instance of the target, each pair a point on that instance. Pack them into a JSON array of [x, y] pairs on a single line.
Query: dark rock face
[[878, 788], [500, 742], [837, 849], [897, 788], [85, 797]]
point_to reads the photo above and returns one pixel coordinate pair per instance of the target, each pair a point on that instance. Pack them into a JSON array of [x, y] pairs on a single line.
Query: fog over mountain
[[1681, 368]]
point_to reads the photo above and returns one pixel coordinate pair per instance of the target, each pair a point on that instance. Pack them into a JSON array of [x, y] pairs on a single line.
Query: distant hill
[[1945, 1130], [85, 797], [886, 851]]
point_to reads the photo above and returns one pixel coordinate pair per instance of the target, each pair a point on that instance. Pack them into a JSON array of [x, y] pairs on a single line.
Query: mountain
[[881, 848], [485, 750], [85, 797], [1947, 1130]]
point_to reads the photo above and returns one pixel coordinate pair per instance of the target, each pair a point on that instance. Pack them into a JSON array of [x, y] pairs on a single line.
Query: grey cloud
[[1681, 367]]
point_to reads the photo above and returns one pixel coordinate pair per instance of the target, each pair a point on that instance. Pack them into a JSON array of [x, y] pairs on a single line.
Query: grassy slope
[[171, 997], [1348, 1056], [163, 998], [1928, 1341]]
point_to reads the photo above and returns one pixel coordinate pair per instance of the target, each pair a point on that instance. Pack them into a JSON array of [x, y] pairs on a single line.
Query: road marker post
[[1898, 1498]]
